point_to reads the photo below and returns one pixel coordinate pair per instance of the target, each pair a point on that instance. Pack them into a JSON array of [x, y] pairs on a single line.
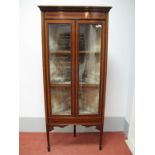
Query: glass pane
[[60, 68], [89, 67], [88, 101], [61, 101], [60, 53]]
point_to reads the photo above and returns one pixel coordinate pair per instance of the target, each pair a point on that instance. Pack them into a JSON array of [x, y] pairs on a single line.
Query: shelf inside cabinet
[[89, 53], [66, 53], [60, 85], [83, 85], [60, 53], [88, 85]]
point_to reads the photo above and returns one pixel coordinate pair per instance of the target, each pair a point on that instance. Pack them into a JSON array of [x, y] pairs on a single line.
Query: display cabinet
[[74, 51]]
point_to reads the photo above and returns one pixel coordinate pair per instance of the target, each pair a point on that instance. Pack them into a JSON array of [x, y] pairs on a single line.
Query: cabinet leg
[[74, 130], [48, 140], [101, 137]]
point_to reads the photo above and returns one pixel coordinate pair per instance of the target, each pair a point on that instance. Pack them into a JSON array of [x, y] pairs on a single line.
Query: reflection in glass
[[60, 68], [59, 38], [61, 101], [88, 100], [60, 53], [89, 67]]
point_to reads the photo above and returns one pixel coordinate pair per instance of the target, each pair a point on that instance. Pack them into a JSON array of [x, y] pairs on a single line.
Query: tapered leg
[[101, 137], [74, 130], [48, 140]]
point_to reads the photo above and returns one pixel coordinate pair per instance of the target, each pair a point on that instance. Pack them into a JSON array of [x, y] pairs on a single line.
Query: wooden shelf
[[87, 52], [60, 85], [88, 85], [69, 53], [61, 53], [83, 85]]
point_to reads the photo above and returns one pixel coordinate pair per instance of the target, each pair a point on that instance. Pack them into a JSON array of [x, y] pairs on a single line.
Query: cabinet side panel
[[102, 69], [105, 67], [44, 66]]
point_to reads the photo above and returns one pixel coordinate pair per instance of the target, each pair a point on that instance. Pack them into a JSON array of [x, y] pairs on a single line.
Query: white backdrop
[[120, 75]]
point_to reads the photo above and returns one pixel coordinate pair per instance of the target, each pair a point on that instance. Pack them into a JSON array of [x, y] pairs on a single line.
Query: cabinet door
[[88, 53], [60, 55]]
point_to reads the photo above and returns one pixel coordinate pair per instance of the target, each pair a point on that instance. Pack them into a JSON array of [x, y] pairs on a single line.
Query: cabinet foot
[[48, 140], [74, 130], [100, 147], [101, 137]]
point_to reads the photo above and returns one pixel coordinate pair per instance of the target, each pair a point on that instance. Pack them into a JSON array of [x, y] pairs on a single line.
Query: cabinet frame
[[84, 21], [72, 23], [53, 14]]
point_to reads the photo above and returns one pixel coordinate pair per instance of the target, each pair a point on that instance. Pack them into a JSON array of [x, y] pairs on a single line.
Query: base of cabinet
[[49, 128], [85, 120]]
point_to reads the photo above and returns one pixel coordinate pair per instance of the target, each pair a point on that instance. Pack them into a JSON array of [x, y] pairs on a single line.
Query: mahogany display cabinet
[[74, 51]]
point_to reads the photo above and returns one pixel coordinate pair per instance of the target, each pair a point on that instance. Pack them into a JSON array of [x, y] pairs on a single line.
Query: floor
[[66, 144]]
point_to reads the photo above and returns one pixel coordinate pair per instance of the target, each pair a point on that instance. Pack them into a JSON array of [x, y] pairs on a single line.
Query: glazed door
[[88, 66], [60, 54]]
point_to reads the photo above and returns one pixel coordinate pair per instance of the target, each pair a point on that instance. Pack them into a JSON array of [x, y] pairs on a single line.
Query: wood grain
[[74, 16]]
